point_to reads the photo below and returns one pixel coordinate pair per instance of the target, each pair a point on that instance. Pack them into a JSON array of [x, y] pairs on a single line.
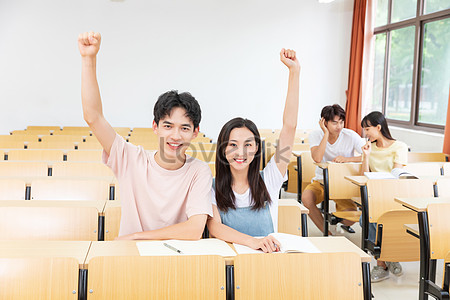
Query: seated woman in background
[[245, 203], [381, 153]]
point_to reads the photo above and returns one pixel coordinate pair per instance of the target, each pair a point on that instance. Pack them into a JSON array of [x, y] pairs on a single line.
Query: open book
[[289, 244], [396, 173], [178, 247]]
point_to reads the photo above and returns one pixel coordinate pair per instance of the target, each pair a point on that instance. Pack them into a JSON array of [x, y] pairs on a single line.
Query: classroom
[[159, 149]]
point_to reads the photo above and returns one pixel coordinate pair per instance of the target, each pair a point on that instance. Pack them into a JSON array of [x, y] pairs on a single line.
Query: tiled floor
[[405, 287]]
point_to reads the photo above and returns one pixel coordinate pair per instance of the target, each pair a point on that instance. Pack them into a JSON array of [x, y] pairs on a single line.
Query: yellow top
[[383, 159]]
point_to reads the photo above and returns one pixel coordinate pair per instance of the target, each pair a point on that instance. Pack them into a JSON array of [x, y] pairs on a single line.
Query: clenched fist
[[288, 57], [89, 43]]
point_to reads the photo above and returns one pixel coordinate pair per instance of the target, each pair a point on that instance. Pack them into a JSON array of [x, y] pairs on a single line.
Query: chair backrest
[[27, 220], [382, 192], [84, 155], [298, 276], [308, 169], [140, 277], [67, 145], [12, 144], [37, 155], [424, 169], [23, 168], [18, 138], [397, 244], [443, 186], [69, 189], [300, 147], [113, 213], [67, 168], [90, 144], [12, 189], [292, 176], [339, 187], [439, 227], [50, 278], [289, 216], [414, 157]]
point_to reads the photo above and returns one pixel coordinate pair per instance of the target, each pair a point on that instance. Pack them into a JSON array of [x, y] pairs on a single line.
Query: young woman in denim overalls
[[245, 202]]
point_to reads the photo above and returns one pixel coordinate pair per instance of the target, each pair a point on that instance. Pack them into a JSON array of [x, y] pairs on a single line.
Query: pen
[[172, 248]]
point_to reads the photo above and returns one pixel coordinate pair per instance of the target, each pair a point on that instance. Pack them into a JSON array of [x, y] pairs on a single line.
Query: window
[[412, 62]]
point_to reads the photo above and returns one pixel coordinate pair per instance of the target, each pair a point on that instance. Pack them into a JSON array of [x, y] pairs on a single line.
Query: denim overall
[[247, 220]]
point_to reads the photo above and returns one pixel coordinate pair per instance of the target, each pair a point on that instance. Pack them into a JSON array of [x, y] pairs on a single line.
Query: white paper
[[379, 175], [200, 247], [289, 243]]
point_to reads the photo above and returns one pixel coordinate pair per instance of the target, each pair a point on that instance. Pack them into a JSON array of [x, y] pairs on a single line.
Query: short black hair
[[171, 99], [331, 111]]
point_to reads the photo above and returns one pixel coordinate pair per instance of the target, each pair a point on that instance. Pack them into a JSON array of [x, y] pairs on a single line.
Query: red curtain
[[354, 103], [447, 129]]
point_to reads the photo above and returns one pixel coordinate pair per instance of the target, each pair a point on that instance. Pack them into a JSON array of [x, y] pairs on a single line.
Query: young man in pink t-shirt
[[165, 194]]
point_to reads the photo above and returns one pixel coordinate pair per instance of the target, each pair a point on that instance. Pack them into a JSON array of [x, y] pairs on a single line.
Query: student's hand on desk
[[288, 57], [341, 159], [267, 244], [89, 43]]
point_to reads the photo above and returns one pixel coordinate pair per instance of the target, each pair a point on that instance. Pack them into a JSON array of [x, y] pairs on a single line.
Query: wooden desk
[[427, 265], [324, 244], [288, 217]]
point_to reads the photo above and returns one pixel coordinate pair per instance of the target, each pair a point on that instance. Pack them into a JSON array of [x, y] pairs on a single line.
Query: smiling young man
[[165, 194], [332, 143]]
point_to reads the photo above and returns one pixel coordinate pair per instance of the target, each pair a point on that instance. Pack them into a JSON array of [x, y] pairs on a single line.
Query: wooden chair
[[415, 157], [300, 147], [140, 277], [292, 176], [50, 278], [18, 138], [199, 139], [23, 168], [81, 169], [31, 132], [85, 155], [396, 244], [305, 175], [341, 189], [62, 138], [443, 186], [12, 144], [292, 217], [69, 189], [142, 130], [36, 155], [48, 220], [424, 169], [12, 189], [90, 145], [122, 131], [113, 213], [298, 276], [68, 145]]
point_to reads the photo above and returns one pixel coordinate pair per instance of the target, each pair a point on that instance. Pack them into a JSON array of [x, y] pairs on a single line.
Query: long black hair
[[224, 193], [376, 118]]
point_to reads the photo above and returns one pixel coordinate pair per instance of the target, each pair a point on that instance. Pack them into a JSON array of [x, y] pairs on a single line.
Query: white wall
[[226, 53], [419, 141]]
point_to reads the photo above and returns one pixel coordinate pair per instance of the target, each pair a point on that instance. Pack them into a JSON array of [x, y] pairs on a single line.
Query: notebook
[[289, 244], [395, 174], [170, 247]]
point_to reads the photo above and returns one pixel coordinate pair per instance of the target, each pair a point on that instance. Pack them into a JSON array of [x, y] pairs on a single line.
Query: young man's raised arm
[[89, 45]]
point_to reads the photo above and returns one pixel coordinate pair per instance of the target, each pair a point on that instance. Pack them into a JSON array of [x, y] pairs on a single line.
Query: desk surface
[[293, 202], [36, 248], [421, 204], [99, 205], [298, 153], [414, 228], [358, 180], [128, 248]]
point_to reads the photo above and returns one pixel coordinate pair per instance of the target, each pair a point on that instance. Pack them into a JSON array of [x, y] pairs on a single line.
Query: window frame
[[418, 22]]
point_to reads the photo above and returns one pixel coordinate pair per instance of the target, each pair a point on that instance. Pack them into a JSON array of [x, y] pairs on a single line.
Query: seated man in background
[[332, 143], [164, 194]]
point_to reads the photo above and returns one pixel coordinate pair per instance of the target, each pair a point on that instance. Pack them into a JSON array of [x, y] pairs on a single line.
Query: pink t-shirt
[[153, 197]]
